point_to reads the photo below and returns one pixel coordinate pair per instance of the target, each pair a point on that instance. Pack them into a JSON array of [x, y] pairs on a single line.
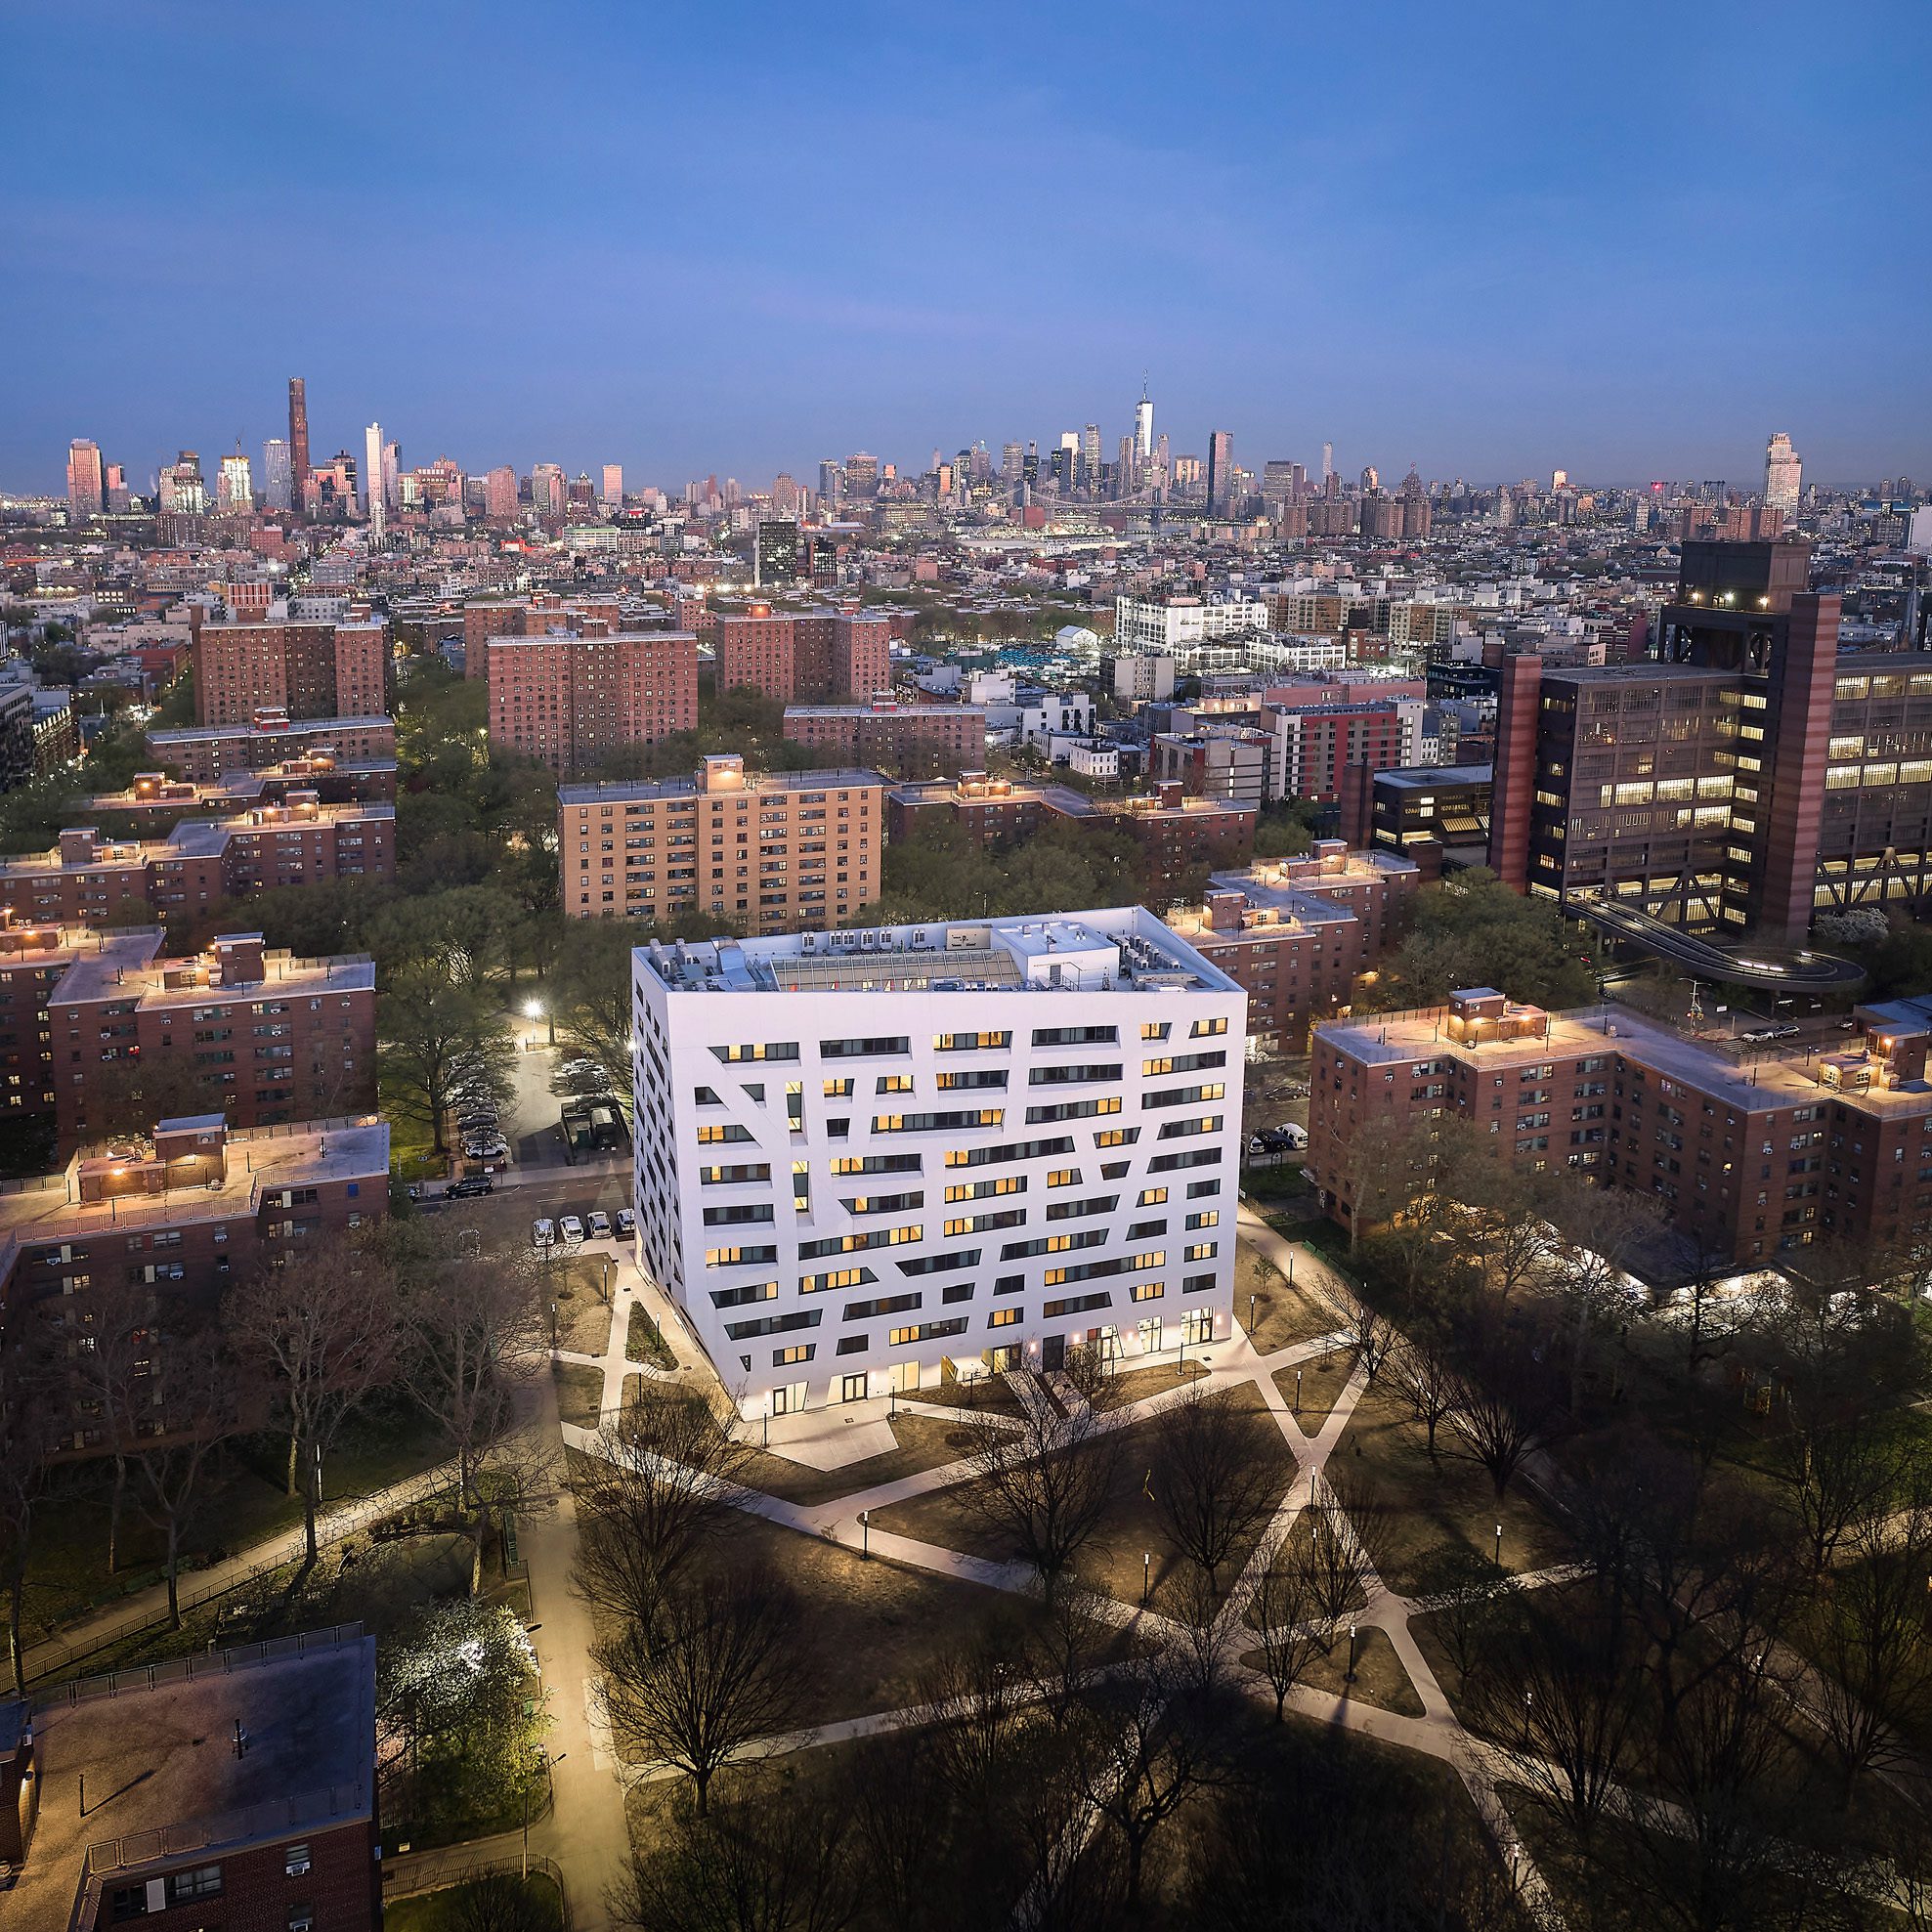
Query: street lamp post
[[1349, 1676], [1298, 1391], [1499, 1546], [1147, 1573], [865, 1534]]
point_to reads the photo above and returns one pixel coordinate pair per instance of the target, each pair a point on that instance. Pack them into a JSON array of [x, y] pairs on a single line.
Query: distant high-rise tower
[[1327, 461], [1089, 456], [277, 478], [1784, 474], [613, 486], [1220, 470], [373, 506], [116, 489], [392, 477], [500, 493], [831, 481], [1143, 428], [234, 492], [86, 493], [298, 434]]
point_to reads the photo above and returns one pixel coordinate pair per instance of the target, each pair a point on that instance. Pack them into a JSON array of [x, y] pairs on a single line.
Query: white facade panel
[[980, 1144]]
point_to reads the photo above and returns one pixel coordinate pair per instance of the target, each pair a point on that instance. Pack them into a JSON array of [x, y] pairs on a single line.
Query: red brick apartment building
[[87, 880], [532, 616], [568, 700], [1299, 933], [1176, 833], [1754, 1154], [911, 740], [206, 754], [792, 851], [308, 670], [810, 657], [189, 1211], [269, 1038], [154, 803], [232, 1789]]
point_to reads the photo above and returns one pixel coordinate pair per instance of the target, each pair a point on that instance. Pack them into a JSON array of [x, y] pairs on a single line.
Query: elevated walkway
[[1780, 970]]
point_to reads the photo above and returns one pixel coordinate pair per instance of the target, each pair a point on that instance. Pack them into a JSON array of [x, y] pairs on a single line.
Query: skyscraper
[[548, 491], [298, 434], [86, 496], [277, 478], [1784, 474], [235, 493], [1220, 470], [613, 486], [500, 493], [183, 491], [831, 481], [116, 489], [392, 476], [1327, 461], [1089, 456], [1143, 428], [372, 504]]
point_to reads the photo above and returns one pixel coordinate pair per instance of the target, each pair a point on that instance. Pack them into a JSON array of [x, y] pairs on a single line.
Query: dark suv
[[467, 1190]]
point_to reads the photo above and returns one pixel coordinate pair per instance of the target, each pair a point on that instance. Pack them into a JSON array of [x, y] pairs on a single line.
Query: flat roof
[[259, 1160], [1420, 777], [190, 733], [1761, 1083], [162, 1774], [1123, 948], [625, 792], [887, 711], [120, 971]]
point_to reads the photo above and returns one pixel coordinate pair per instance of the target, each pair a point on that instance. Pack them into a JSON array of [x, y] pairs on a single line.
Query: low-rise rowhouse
[[862, 1156]]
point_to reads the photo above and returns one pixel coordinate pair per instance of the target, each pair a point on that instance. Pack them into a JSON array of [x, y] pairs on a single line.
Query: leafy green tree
[[425, 1024], [1472, 931]]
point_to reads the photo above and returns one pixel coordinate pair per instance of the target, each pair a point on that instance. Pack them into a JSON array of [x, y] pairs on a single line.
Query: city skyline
[[1541, 291]]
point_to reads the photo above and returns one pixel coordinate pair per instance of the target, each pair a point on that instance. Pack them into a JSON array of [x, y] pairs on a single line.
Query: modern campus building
[[1753, 1151], [1746, 777], [864, 1156], [773, 851]]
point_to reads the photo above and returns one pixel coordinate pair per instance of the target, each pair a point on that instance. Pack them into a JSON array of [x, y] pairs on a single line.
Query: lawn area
[[1130, 1529], [1127, 1387], [579, 1392], [583, 1313], [1380, 1678], [925, 1443], [870, 1628], [1419, 1508], [245, 1502], [443, 1912], [1281, 1314], [1321, 1382], [643, 1341], [988, 1392]]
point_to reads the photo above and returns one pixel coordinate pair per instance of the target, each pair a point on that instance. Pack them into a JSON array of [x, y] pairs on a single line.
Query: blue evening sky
[[1484, 236]]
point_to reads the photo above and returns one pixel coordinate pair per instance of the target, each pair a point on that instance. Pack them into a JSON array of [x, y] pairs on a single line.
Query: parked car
[[494, 1148], [1757, 1034], [477, 1120], [571, 1229], [600, 1225], [1785, 1032], [468, 1191], [626, 1224], [542, 1233]]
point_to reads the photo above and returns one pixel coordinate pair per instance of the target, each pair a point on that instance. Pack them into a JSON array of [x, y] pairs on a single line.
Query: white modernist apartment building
[[861, 1155]]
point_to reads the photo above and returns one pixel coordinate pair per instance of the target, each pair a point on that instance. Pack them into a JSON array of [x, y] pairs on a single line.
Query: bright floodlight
[[533, 1010]]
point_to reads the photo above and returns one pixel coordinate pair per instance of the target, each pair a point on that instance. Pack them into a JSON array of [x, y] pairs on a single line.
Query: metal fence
[[436, 1871], [53, 1654]]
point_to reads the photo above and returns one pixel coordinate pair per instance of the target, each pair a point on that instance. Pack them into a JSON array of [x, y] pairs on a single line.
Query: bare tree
[[754, 1866], [321, 1332], [1568, 1691], [1425, 1383], [499, 1902], [1873, 1686], [662, 1481], [26, 1454], [1370, 1334], [1338, 1564], [1148, 1748], [718, 1665], [473, 1336], [173, 1468], [1214, 1483], [1836, 1477], [1294, 1631], [1500, 1408], [900, 1818], [1598, 1232], [110, 1371], [1045, 1484]]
